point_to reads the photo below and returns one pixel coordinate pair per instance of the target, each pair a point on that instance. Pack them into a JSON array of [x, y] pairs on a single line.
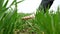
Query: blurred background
[[30, 6]]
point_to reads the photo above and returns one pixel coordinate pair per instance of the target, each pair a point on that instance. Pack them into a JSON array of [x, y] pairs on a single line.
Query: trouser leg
[[45, 5]]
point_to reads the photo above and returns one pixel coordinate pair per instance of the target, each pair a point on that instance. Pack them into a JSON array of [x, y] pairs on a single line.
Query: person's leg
[[45, 4]]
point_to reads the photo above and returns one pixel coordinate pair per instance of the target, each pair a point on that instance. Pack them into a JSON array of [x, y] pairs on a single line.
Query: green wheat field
[[11, 22]]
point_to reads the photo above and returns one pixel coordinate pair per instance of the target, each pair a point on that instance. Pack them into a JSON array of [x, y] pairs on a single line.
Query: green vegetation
[[11, 22], [48, 23]]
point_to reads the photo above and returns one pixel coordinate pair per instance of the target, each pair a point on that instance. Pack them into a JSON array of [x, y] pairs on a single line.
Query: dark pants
[[45, 4]]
